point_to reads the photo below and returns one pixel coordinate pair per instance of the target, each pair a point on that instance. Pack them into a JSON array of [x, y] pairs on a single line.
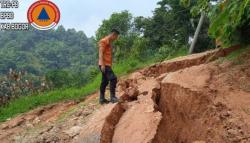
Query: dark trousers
[[108, 76]]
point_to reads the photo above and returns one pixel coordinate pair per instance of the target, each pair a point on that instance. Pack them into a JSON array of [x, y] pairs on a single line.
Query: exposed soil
[[187, 61], [211, 105], [48, 114], [192, 99], [139, 123]]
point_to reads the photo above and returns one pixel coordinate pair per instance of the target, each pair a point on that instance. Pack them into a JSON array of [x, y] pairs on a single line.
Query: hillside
[[38, 52], [198, 98]]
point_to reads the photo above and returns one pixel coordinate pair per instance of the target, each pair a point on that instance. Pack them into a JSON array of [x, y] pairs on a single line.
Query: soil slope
[[185, 100]]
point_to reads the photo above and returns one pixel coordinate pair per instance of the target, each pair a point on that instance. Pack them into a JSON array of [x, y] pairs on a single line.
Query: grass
[[24, 104], [235, 56], [179, 53], [27, 103]]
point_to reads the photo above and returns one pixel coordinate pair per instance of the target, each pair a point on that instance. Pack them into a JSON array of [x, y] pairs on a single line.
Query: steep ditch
[[187, 115], [112, 119], [198, 104], [130, 94]]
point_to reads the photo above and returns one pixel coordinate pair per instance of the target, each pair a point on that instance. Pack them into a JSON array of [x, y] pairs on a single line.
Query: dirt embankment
[[185, 100], [187, 61], [208, 103]]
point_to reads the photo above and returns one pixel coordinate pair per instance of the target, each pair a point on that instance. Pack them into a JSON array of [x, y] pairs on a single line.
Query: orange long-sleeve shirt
[[107, 54]]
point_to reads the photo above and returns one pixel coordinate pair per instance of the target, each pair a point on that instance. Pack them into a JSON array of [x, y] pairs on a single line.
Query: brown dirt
[[186, 61], [184, 103], [111, 120], [211, 105], [45, 114], [139, 123], [185, 100], [91, 130]]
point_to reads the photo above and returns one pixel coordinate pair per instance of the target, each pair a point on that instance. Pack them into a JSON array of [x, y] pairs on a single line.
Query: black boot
[[103, 100], [113, 98], [113, 82]]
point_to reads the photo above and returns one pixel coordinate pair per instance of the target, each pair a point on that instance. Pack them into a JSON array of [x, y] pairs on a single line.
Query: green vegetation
[[235, 57], [229, 19], [67, 59], [236, 54], [231, 22], [26, 103], [41, 53], [38, 52], [168, 30]]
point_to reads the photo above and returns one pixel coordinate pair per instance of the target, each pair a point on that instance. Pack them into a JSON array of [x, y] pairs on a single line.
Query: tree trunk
[[196, 35]]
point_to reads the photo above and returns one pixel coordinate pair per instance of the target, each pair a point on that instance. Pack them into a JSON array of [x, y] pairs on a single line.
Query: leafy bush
[[230, 25], [229, 19], [16, 84], [140, 48], [164, 52], [59, 78]]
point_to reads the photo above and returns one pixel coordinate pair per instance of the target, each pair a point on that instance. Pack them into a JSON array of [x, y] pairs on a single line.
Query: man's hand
[[103, 68]]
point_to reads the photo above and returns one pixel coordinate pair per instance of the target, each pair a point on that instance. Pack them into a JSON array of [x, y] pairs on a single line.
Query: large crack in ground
[[130, 94], [196, 109], [185, 115], [159, 110], [111, 120], [184, 119]]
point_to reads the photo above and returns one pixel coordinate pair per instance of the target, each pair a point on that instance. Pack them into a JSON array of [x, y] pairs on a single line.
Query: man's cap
[[115, 31]]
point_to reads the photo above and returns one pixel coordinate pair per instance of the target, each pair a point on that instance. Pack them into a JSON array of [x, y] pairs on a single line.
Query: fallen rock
[[133, 93], [125, 84], [36, 121], [130, 94], [72, 132], [136, 75]]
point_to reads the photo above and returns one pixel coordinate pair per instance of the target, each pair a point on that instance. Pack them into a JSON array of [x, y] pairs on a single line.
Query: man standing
[[105, 65]]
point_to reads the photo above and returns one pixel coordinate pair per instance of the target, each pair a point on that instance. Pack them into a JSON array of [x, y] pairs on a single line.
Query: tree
[[121, 21], [172, 26], [39, 52], [230, 22], [59, 78], [229, 19], [170, 23]]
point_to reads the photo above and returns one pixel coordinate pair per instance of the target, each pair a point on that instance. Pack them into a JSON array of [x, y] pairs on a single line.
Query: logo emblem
[[43, 15]]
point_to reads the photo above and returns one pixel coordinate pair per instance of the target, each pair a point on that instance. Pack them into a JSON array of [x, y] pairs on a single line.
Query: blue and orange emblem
[[43, 15]]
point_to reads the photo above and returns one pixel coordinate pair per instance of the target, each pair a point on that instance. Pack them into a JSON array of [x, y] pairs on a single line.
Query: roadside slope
[[182, 100]]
